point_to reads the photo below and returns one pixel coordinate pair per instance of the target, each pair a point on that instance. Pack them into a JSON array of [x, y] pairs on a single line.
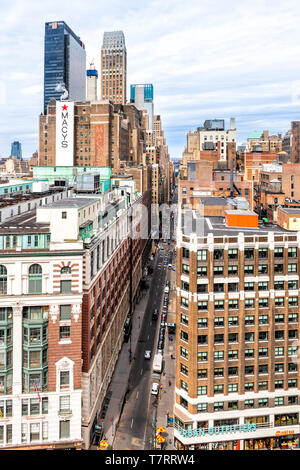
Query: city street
[[135, 426]]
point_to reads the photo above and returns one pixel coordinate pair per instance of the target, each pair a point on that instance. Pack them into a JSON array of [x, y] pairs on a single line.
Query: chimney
[[232, 123]]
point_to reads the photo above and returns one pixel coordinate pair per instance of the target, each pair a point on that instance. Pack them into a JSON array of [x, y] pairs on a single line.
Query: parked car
[[160, 345], [147, 354], [154, 389], [155, 314]]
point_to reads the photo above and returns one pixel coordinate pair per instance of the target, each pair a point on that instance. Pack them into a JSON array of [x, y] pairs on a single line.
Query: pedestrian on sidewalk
[[170, 383]]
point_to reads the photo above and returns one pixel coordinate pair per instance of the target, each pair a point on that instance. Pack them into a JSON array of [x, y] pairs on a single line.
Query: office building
[[64, 63], [16, 150], [237, 377], [142, 97], [114, 67]]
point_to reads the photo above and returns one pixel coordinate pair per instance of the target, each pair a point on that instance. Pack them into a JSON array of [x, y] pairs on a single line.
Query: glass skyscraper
[[64, 62], [16, 150], [142, 97]]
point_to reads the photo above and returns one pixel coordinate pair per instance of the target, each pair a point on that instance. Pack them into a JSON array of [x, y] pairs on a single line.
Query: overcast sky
[[206, 59]]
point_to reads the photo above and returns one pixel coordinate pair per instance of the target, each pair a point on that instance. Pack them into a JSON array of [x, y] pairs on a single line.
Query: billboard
[[64, 133]]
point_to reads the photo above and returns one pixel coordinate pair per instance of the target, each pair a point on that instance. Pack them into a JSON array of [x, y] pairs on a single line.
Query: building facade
[[114, 67], [237, 377], [64, 63]]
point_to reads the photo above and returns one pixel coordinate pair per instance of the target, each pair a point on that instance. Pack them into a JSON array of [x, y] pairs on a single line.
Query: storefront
[[287, 441]]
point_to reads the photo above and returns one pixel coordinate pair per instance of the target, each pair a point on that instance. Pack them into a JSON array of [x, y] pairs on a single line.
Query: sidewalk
[[119, 382], [167, 394]]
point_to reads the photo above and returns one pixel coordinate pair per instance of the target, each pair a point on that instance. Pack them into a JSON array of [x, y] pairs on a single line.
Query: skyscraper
[[113, 67], [16, 150], [142, 97], [92, 80], [64, 63]]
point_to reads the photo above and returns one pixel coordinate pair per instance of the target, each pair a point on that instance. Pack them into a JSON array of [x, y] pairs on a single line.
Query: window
[[278, 384], [184, 302], [233, 287], [201, 407], [218, 254], [249, 286], [201, 288], [262, 269], [3, 280], [185, 269], [293, 301], [248, 269], [184, 336], [184, 320], [293, 317], [219, 405], [201, 271], [218, 270], [293, 285], [249, 404], [64, 380], [219, 338], [263, 368], [249, 320], [263, 402], [202, 373], [184, 385], [202, 339], [279, 351], [249, 370], [232, 337], [278, 252], [233, 321], [278, 401], [249, 386], [263, 285], [279, 285], [219, 322], [292, 252], [219, 355], [201, 255], [249, 253], [292, 268], [263, 352], [233, 304], [63, 215], [233, 354], [249, 336], [219, 304], [278, 268], [219, 372], [34, 432], [249, 303], [263, 253], [185, 253], [263, 319], [64, 429], [232, 270], [263, 336], [184, 369], [35, 279], [202, 305], [233, 253], [218, 388], [65, 312], [232, 388], [202, 356], [279, 367], [184, 353], [201, 390], [279, 334], [202, 322], [279, 301], [218, 287], [232, 370], [263, 303]]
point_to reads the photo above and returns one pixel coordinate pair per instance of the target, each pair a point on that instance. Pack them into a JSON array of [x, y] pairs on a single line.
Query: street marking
[[131, 423], [137, 394], [141, 371]]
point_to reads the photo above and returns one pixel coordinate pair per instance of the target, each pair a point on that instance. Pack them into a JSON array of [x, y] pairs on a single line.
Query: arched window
[[66, 280], [3, 280], [35, 279], [66, 270]]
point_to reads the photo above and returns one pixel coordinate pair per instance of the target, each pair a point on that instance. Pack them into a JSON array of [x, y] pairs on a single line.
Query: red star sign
[[65, 107]]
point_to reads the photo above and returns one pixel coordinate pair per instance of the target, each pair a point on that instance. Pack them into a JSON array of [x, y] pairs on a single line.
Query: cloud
[[205, 58]]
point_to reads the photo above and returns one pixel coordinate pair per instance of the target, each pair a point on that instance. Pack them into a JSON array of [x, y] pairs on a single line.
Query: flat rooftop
[[203, 226], [24, 223]]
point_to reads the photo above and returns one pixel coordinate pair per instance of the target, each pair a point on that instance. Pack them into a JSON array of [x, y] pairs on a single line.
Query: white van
[[157, 363]]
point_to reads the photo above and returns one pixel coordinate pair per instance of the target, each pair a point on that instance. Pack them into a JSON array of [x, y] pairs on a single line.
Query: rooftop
[[24, 223]]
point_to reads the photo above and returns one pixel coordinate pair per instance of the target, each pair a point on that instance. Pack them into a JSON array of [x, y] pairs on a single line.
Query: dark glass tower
[[64, 62], [16, 150]]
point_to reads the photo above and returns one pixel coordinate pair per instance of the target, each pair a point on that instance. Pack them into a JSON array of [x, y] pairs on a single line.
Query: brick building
[[237, 377]]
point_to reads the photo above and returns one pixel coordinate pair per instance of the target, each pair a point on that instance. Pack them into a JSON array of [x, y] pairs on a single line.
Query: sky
[[205, 58]]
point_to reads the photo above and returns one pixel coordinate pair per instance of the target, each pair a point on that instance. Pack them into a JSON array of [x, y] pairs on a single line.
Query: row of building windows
[[249, 386], [248, 370], [249, 253], [32, 432], [248, 320], [262, 302], [233, 270], [248, 286]]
